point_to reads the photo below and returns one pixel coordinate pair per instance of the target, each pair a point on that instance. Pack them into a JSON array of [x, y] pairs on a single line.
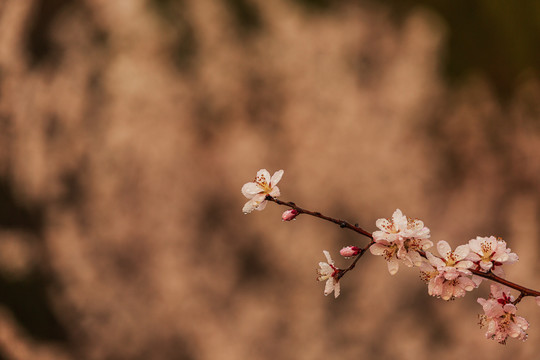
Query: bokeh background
[[128, 127]]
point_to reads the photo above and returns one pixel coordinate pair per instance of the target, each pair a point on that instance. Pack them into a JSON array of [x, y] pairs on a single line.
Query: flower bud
[[289, 215], [349, 251]]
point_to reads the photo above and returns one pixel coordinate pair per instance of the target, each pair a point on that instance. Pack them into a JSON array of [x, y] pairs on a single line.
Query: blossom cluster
[[500, 316], [450, 274]]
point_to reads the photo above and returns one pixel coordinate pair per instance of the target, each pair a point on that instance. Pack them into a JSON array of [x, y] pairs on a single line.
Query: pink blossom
[[257, 190], [448, 275], [400, 227], [349, 251], [400, 239], [289, 215], [329, 272], [500, 316], [489, 254]]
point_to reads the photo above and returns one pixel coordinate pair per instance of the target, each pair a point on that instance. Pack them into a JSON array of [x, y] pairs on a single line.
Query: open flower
[[500, 316], [257, 190], [489, 254], [400, 238], [329, 273], [451, 279]]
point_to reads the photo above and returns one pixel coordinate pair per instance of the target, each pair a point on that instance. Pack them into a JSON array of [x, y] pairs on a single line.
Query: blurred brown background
[[128, 127]]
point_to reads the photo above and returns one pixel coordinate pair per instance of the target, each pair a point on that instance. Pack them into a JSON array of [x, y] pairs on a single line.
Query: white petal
[[264, 175], [274, 192], [276, 177], [510, 308], [329, 287], [435, 261], [250, 189], [328, 257], [337, 289], [521, 322], [467, 283], [416, 259], [416, 225], [447, 291], [261, 205], [393, 266], [249, 207], [464, 264], [458, 292], [491, 242], [400, 220], [499, 271], [325, 269], [462, 251], [496, 291], [377, 249], [426, 244], [435, 287], [473, 257], [477, 280], [383, 224], [500, 257], [486, 265], [475, 245], [451, 273], [512, 258], [444, 249]]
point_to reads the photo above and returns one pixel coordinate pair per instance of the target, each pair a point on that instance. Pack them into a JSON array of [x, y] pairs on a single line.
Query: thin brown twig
[[341, 223], [523, 291]]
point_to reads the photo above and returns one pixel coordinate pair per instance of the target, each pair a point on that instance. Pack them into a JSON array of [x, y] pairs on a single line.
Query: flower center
[[261, 181], [487, 251], [451, 260]]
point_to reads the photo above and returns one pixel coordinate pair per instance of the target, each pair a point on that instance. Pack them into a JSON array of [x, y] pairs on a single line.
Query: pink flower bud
[[349, 251], [289, 215]]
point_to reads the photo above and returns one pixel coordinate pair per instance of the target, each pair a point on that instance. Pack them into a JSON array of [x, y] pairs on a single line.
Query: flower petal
[[458, 292], [521, 322], [461, 252], [435, 261], [328, 257], [325, 269], [400, 220], [274, 192], [261, 205], [329, 287], [250, 189], [384, 224], [263, 175], [393, 266], [337, 289], [467, 283], [276, 177], [475, 245], [249, 206], [499, 271], [377, 249], [447, 291], [464, 264], [444, 249]]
